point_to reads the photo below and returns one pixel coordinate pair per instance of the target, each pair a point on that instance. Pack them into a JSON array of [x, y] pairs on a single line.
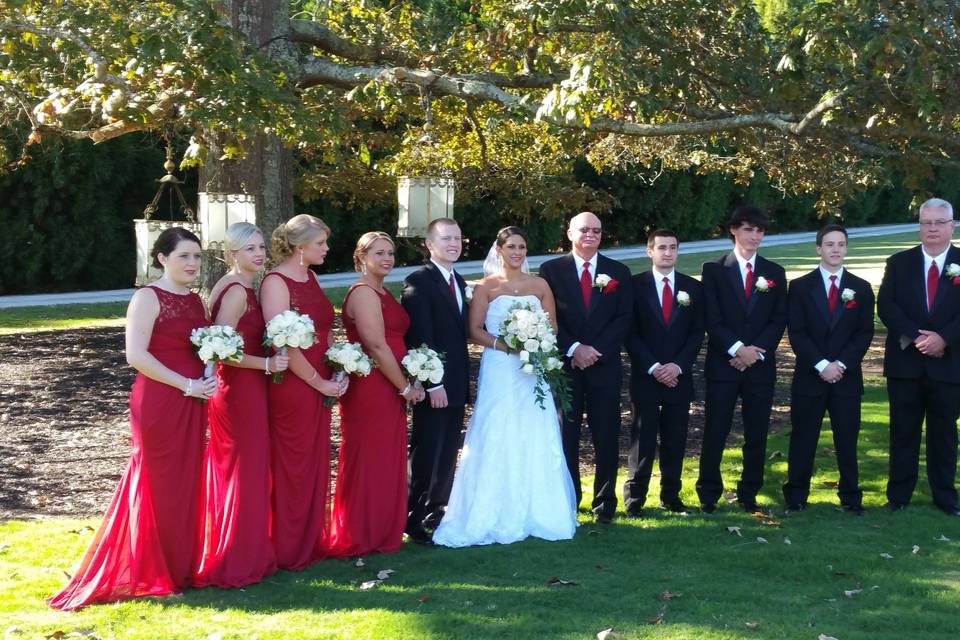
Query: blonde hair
[[238, 234], [299, 229], [365, 242]]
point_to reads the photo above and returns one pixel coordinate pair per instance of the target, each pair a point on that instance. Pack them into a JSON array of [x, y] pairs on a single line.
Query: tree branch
[[819, 109], [322, 37]]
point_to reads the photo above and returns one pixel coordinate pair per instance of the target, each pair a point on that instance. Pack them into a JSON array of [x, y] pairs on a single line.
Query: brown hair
[[299, 229], [167, 242], [365, 242]]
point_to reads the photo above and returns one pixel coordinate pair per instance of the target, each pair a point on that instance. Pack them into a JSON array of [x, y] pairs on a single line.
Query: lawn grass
[[706, 581]]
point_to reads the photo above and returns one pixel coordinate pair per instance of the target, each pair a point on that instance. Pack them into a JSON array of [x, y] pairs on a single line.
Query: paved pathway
[[466, 268]]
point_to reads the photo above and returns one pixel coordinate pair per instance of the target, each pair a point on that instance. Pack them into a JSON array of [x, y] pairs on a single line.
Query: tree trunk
[[267, 170]]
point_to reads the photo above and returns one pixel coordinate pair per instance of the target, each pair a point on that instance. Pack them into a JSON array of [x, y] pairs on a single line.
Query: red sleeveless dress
[[148, 540], [236, 526], [370, 502], [300, 441]]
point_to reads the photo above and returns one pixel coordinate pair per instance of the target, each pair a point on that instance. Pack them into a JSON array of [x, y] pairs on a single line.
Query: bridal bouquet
[[424, 364], [347, 358], [528, 333], [217, 343], [289, 329]]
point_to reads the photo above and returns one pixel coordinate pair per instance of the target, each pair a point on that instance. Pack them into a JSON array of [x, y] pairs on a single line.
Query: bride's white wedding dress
[[512, 481]]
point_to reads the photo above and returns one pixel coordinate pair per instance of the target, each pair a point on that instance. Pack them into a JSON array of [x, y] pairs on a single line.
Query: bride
[[512, 481]]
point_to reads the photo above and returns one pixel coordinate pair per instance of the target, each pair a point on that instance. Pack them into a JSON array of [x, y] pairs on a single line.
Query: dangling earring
[[301, 257], [363, 269], [236, 264]]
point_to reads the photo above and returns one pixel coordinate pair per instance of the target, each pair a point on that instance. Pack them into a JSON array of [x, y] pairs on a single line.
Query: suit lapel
[[444, 288], [736, 280], [841, 305], [943, 287], [650, 293], [819, 296], [462, 285]]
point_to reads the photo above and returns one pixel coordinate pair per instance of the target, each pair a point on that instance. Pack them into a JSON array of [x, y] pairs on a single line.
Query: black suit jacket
[[651, 341], [604, 324], [817, 335], [730, 318], [436, 322], [902, 306]]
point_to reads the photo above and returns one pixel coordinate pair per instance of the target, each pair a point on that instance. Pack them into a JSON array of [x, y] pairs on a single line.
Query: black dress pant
[[912, 400], [652, 419], [598, 394], [806, 417], [721, 400], [435, 440]]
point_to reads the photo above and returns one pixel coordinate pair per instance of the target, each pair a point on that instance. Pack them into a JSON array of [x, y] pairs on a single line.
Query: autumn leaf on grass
[[369, 584], [730, 496], [735, 531], [830, 484], [666, 595], [852, 592], [824, 636], [383, 574], [828, 453], [56, 635], [775, 454], [424, 598], [761, 540], [942, 538], [916, 549], [359, 562], [658, 619], [560, 582], [787, 541], [607, 634], [886, 556], [752, 625]]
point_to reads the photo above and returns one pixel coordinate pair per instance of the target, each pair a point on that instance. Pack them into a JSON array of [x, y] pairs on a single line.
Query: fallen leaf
[[13, 631], [752, 625], [852, 592], [787, 541], [369, 584], [658, 619], [383, 574], [424, 597], [607, 634], [916, 549], [840, 573], [823, 636], [560, 582], [735, 531], [730, 496], [886, 556], [942, 538], [767, 521], [775, 454], [359, 562], [56, 635], [4, 547], [666, 595], [830, 484], [761, 540], [826, 453]]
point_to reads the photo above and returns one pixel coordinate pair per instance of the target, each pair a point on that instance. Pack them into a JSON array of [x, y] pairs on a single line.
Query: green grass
[[62, 316], [719, 581]]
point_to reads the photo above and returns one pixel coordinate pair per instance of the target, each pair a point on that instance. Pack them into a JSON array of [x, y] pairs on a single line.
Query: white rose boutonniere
[[683, 298], [848, 297], [953, 271], [605, 283], [468, 293], [763, 285]]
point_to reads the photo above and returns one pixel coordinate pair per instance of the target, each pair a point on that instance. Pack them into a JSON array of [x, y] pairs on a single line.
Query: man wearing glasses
[[594, 303], [919, 302]]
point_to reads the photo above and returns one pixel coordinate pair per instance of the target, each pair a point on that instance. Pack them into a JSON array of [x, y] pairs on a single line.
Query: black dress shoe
[[708, 507], [855, 509], [894, 507], [750, 506], [432, 521], [635, 513], [675, 506], [795, 507], [950, 510], [602, 518], [418, 535]]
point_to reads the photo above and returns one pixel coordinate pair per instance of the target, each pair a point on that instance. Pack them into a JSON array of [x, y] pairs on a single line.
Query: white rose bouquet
[[217, 343], [347, 358], [527, 332], [289, 329], [424, 364]]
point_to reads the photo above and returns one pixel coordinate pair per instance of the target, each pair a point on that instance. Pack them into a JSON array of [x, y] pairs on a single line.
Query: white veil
[[491, 263]]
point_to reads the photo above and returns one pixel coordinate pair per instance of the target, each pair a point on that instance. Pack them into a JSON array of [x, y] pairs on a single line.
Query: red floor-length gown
[[370, 502], [300, 441], [236, 528], [147, 543]]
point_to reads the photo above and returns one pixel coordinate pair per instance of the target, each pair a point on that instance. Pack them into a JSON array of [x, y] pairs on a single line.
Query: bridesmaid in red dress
[[370, 503], [299, 421], [147, 543], [236, 528]]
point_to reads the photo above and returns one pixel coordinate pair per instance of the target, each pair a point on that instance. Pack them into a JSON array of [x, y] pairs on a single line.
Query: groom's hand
[[438, 397], [584, 356]]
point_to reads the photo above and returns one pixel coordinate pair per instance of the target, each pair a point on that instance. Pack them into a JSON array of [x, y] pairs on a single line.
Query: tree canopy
[[502, 94]]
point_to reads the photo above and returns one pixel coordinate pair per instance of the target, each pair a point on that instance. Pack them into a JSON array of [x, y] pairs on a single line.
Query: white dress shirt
[[927, 260], [658, 280], [446, 273], [593, 275], [743, 262], [820, 366]]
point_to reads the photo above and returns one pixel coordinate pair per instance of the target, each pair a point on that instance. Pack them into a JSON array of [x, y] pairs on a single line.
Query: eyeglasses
[[595, 230], [935, 223]]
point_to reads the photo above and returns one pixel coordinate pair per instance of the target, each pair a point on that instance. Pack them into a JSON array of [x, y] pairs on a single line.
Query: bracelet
[[266, 366], [494, 345], [189, 390], [313, 376], [405, 390]]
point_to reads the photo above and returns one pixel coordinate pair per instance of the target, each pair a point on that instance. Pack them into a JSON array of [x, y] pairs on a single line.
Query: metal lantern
[[148, 230], [217, 211], [421, 200]]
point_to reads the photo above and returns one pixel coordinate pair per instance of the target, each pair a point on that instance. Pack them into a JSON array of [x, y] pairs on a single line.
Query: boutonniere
[[847, 296], [468, 293], [683, 298], [605, 283], [763, 285], [953, 271]]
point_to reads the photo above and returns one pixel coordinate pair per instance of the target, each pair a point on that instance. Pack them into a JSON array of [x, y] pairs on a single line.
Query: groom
[[434, 297], [594, 303]]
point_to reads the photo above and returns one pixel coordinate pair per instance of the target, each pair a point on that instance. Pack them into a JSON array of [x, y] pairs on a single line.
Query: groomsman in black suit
[[434, 297], [745, 306], [919, 302], [830, 325], [594, 300], [665, 336]]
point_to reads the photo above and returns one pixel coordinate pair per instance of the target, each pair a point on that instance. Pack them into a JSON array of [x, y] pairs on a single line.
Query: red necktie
[[748, 283], [667, 302], [586, 285], [453, 289], [933, 276], [832, 295]]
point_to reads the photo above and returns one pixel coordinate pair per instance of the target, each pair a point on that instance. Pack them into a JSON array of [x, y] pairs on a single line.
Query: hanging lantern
[[147, 230], [217, 211], [421, 200]]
